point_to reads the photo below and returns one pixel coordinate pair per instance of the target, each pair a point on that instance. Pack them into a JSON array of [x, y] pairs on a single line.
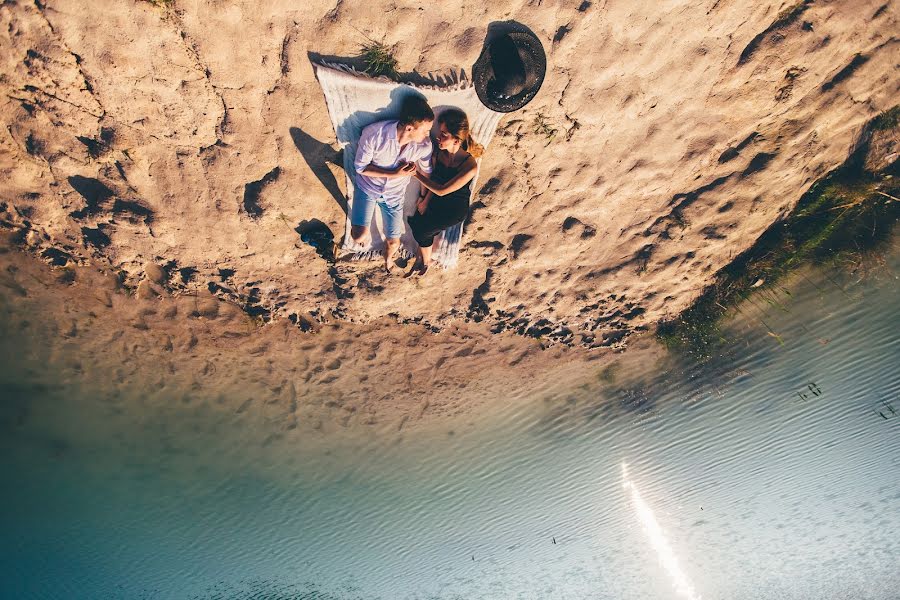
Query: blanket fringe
[[362, 255], [461, 84]]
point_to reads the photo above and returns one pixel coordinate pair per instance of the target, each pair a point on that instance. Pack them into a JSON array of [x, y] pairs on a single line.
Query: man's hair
[[415, 110]]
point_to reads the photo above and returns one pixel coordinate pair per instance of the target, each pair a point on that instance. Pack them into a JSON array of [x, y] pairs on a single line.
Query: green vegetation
[[378, 59], [887, 120], [841, 220], [543, 127]]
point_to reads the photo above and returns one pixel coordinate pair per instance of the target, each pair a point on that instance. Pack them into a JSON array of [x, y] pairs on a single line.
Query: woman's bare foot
[[417, 265]]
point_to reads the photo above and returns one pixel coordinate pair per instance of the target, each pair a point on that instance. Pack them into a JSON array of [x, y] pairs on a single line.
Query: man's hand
[[405, 169], [422, 205]]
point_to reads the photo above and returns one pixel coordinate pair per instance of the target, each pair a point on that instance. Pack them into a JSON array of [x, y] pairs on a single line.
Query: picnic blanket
[[355, 100]]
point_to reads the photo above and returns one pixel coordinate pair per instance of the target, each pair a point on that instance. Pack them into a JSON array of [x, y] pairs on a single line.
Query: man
[[386, 158]]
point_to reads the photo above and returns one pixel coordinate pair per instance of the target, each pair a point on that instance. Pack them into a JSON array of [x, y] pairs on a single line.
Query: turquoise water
[[772, 471]]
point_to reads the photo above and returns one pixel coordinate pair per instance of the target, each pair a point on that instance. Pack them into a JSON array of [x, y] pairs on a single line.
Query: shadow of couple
[[318, 155]]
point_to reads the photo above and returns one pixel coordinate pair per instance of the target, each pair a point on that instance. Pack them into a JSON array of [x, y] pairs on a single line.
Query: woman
[[446, 202]]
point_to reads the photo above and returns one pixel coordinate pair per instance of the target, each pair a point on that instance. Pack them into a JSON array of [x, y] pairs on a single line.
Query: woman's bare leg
[[417, 264], [428, 250], [437, 242], [419, 259], [426, 255]]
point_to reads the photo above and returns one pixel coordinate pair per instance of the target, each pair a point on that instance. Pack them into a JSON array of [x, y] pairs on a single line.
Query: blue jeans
[[391, 211]]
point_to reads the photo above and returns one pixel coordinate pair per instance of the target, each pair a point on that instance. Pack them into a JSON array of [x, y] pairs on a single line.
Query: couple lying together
[[390, 153]]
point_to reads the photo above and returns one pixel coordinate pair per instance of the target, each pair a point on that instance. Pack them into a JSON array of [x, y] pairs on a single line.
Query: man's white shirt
[[378, 145]]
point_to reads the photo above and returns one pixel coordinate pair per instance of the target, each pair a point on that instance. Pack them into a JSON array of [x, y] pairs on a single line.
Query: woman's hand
[[422, 205]]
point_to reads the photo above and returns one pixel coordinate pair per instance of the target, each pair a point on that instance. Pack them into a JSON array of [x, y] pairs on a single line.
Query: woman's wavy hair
[[457, 123]]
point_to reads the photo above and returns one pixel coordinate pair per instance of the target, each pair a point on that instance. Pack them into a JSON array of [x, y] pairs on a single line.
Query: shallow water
[[772, 471]]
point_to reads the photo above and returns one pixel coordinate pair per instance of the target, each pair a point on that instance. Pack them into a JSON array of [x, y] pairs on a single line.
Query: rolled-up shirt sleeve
[[365, 150], [424, 161]]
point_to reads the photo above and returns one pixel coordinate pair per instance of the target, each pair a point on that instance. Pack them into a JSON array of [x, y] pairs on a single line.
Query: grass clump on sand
[[162, 3], [841, 220], [543, 127], [378, 60]]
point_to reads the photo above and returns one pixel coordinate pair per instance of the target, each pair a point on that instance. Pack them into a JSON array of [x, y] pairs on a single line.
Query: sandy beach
[[174, 167]]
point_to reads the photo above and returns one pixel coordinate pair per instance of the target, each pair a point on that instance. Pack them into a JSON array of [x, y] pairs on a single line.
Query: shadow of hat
[[510, 70]]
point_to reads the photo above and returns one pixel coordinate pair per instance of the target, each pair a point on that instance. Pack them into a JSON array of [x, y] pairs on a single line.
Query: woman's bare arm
[[465, 175]]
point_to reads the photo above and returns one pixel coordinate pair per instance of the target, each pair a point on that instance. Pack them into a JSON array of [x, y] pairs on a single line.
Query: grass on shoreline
[[840, 220]]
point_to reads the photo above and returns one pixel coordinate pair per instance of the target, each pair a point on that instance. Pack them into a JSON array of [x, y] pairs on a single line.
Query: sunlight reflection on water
[[658, 540]]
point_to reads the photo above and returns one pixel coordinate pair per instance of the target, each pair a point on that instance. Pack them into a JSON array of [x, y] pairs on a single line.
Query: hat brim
[[532, 53]]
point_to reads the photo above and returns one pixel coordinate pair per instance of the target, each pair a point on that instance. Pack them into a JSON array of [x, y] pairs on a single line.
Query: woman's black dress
[[443, 211]]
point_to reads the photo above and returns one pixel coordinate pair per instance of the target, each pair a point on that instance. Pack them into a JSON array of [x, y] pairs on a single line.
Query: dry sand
[[188, 146]]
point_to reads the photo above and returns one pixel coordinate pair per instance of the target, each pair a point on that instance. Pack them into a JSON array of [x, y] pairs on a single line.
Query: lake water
[[772, 471]]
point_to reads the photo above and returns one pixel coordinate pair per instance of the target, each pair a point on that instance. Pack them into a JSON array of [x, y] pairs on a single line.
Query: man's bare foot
[[360, 237], [389, 264]]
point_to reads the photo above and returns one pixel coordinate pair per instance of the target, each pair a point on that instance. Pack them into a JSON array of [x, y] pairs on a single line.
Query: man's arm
[[404, 170], [365, 150], [424, 199], [424, 164]]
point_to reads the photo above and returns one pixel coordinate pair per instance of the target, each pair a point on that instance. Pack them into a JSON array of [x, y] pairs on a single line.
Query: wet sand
[[78, 327]]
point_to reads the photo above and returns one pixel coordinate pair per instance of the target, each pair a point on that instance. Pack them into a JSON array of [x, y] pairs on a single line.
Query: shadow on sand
[[317, 155]]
